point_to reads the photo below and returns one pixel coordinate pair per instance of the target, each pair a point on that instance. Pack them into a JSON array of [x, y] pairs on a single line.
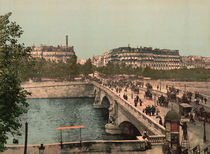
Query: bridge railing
[[151, 124], [156, 139], [153, 139]]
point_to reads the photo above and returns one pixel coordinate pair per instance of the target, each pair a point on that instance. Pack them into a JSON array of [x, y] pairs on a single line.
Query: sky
[[96, 26]]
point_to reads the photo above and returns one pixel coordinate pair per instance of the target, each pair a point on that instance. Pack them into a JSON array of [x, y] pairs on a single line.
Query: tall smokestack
[[66, 41]]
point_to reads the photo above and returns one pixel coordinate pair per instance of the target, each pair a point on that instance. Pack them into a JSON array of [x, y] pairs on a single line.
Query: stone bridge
[[124, 118]]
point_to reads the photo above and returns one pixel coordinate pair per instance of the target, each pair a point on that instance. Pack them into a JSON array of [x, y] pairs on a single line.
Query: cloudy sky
[[95, 26]]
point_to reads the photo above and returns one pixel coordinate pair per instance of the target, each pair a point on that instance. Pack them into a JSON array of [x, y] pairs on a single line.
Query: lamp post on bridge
[[204, 127]]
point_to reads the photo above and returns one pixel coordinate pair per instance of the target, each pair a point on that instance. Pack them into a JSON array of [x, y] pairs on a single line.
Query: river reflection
[[45, 115]]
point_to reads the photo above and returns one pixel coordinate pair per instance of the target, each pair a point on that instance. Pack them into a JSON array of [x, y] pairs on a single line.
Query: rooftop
[[145, 50], [172, 115]]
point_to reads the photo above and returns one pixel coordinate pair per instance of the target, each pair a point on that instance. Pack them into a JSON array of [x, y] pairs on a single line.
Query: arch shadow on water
[[105, 108]]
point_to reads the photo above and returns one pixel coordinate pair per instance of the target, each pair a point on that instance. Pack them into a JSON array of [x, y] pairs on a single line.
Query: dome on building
[[172, 115]]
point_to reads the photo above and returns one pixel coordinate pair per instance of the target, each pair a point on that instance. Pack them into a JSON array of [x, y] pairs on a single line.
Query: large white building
[[142, 57]]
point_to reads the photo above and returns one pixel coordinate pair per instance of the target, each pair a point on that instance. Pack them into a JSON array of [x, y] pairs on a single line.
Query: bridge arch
[[129, 130], [105, 106], [105, 103], [95, 91]]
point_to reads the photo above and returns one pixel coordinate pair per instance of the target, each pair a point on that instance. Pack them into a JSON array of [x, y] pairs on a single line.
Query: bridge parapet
[[147, 121], [156, 139], [153, 139]]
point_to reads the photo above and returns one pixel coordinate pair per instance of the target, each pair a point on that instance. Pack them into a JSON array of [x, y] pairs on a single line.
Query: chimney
[[66, 41]]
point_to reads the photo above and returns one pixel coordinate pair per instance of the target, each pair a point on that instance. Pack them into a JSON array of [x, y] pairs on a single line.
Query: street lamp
[[41, 149], [204, 128]]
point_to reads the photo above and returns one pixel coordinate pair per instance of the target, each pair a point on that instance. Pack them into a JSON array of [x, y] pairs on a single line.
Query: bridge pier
[[112, 129], [97, 101]]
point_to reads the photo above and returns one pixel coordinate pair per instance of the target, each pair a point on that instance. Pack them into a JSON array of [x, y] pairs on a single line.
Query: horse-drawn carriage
[[185, 99], [202, 114], [162, 101], [135, 89], [185, 109], [171, 93], [148, 94], [199, 97]]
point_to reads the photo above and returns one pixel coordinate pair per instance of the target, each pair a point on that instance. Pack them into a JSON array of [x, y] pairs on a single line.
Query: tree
[[12, 96], [71, 67], [87, 67]]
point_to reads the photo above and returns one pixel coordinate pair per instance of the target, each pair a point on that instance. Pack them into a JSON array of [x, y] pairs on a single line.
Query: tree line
[[196, 74], [40, 68]]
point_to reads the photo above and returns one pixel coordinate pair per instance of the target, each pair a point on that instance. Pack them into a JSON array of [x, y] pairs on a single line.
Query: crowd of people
[[123, 85], [134, 86]]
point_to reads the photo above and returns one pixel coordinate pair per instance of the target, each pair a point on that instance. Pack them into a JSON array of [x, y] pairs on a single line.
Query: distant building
[[51, 53], [98, 61], [196, 61], [81, 61], [163, 59], [207, 62]]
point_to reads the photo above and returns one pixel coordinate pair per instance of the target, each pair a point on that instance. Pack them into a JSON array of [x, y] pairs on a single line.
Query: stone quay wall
[[94, 146], [52, 89]]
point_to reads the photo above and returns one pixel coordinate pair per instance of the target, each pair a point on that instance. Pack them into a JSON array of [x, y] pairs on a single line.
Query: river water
[[45, 115]]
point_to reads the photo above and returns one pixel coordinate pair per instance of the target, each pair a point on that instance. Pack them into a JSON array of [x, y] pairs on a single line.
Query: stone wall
[[59, 89], [98, 146]]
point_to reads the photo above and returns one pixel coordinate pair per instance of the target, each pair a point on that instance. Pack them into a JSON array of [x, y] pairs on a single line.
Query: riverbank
[[93, 146]]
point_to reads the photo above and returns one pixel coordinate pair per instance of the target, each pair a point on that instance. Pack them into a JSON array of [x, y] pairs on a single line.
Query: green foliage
[[87, 68], [40, 68], [71, 69], [12, 97], [197, 74]]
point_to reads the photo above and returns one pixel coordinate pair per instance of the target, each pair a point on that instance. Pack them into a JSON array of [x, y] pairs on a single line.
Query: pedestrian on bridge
[[160, 121], [137, 98], [140, 102], [135, 102], [125, 96], [153, 110], [148, 110], [191, 118], [157, 110], [205, 100], [144, 134]]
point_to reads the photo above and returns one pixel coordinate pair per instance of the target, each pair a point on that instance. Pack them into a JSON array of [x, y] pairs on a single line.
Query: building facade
[[81, 61], [98, 61], [51, 53], [163, 59], [196, 61]]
